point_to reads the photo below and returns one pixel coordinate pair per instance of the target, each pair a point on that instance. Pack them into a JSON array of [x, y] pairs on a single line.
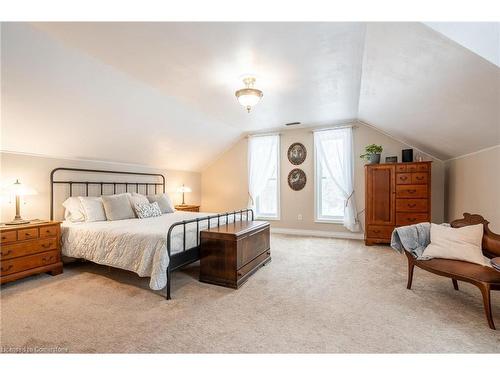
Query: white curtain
[[334, 148], [262, 162]]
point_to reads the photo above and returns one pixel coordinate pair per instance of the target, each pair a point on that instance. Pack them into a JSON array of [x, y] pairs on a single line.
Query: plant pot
[[374, 159]]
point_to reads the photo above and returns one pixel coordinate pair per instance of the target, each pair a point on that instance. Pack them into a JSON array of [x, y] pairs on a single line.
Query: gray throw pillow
[[118, 207], [163, 201], [145, 210]]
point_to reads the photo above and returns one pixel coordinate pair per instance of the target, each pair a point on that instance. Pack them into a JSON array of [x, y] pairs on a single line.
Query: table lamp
[[183, 189], [19, 190]]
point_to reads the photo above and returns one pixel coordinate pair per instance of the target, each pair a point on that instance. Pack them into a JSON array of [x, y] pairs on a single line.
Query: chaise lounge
[[485, 278]]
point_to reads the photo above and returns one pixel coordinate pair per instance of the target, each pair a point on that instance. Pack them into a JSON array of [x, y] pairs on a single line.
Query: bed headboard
[[96, 182]]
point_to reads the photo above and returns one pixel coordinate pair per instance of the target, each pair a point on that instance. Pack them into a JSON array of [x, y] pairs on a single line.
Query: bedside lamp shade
[[18, 190], [183, 189]]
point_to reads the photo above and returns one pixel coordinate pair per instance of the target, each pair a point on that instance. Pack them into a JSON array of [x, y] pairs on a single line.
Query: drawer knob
[[46, 245], [420, 178], [412, 191], [411, 205], [5, 269], [376, 231], [404, 178], [48, 259], [47, 231], [6, 253], [4, 238], [27, 234], [411, 219]]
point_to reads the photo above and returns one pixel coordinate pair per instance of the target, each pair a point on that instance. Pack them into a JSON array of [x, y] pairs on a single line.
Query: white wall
[[473, 185], [35, 171], [225, 182]]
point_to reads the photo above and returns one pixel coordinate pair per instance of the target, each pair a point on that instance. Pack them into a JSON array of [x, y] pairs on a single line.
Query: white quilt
[[137, 245]]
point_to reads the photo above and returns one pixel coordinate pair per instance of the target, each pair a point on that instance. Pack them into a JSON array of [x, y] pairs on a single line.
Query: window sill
[[267, 218], [329, 221]]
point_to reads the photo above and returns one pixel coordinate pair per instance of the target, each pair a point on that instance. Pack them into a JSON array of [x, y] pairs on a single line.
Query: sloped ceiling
[[162, 94]]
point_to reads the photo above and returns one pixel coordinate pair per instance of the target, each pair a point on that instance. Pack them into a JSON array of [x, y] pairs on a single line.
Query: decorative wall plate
[[297, 153], [297, 179]]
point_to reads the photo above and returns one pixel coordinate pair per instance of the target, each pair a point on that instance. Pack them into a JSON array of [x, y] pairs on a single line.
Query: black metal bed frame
[[177, 260]]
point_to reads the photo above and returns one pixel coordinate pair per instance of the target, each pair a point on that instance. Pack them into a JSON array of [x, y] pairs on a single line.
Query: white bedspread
[[137, 245]]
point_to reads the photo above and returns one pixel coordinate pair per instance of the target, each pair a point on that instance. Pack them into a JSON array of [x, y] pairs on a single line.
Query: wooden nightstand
[[187, 207], [28, 249]]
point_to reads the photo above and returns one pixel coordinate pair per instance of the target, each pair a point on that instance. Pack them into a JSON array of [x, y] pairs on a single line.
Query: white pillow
[[163, 201], [118, 207], [93, 208], [136, 198], [73, 210], [456, 243], [145, 210]]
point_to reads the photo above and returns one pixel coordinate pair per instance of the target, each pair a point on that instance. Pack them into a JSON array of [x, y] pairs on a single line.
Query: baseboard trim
[[318, 233]]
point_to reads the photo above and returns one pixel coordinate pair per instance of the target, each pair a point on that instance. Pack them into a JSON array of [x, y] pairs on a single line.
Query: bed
[[152, 247]]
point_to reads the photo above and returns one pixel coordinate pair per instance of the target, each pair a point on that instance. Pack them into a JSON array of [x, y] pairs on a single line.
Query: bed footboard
[[192, 254]]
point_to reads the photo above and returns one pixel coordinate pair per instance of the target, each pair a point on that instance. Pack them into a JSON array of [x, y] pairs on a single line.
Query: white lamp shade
[[19, 189], [184, 189]]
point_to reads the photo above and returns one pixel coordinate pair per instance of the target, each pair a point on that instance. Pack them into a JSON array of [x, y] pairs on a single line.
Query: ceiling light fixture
[[249, 96]]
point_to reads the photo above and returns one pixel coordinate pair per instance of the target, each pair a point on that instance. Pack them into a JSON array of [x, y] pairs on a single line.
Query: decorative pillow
[[145, 210], [456, 243], [137, 198], [163, 201], [93, 208], [73, 210], [118, 207]]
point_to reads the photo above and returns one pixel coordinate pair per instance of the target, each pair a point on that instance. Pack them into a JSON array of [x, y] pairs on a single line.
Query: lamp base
[[17, 222]]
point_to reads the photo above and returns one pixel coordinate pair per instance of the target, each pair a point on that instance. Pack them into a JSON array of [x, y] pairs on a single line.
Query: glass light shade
[[19, 189], [248, 97]]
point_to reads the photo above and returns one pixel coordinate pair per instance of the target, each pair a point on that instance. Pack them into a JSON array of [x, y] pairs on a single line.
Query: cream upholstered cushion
[[456, 243], [93, 208], [163, 201], [73, 210], [118, 207]]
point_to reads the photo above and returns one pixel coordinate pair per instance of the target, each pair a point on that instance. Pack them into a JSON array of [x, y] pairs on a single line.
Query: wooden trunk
[[231, 253], [396, 194]]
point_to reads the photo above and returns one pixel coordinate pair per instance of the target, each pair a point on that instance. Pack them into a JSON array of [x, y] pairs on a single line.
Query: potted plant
[[372, 153]]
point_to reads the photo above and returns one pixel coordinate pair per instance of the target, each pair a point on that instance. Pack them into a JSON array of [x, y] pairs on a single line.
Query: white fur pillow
[[93, 208], [73, 210], [456, 243]]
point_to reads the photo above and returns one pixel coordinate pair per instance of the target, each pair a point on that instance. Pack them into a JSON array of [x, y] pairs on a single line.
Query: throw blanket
[[414, 238]]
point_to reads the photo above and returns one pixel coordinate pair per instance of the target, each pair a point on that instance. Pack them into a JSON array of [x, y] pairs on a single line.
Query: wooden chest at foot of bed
[[29, 249], [230, 254]]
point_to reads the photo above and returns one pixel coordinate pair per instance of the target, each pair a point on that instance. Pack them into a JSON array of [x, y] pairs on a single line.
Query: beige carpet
[[317, 295]]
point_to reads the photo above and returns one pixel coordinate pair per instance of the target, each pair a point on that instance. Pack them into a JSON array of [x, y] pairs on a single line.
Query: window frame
[[265, 215], [318, 218]]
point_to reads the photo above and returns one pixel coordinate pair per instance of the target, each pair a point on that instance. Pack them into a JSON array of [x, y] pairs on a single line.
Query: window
[[332, 153], [263, 175]]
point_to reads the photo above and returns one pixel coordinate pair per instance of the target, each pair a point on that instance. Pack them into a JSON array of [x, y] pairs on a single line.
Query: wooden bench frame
[[485, 278]]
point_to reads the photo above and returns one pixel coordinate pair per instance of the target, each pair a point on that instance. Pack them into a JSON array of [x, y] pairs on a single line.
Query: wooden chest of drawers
[[230, 254], [29, 249], [396, 195]]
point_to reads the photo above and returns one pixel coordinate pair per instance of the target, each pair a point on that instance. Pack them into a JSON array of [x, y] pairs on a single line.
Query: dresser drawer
[[411, 191], [403, 178], [379, 231], [407, 218], [27, 248], [27, 234], [243, 271], [28, 262], [400, 168], [419, 178], [10, 236], [412, 205], [251, 246], [49, 231], [411, 168], [422, 167]]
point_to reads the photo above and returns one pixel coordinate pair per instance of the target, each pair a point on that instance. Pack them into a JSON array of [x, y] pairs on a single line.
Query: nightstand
[[187, 207], [28, 249]]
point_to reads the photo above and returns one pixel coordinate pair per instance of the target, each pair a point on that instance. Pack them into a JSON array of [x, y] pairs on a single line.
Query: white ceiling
[[162, 94]]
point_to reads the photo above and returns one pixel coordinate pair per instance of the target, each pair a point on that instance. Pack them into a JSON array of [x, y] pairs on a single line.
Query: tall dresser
[[396, 194]]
